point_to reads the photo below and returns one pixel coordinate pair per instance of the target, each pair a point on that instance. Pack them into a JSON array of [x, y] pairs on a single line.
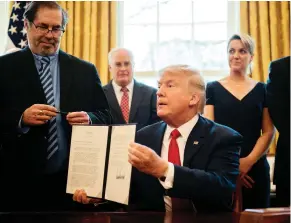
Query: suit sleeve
[[277, 97], [101, 113], [217, 182], [10, 114]]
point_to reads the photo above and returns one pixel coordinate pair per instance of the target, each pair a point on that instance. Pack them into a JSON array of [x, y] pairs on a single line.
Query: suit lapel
[[136, 99], [32, 77], [66, 76], [157, 141], [195, 141], [112, 100]]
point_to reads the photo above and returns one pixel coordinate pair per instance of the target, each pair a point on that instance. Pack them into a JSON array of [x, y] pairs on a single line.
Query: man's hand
[[38, 114], [77, 118], [146, 160], [81, 197]]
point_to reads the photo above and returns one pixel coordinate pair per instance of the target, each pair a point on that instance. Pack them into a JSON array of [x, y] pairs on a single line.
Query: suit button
[[166, 192], [45, 138]]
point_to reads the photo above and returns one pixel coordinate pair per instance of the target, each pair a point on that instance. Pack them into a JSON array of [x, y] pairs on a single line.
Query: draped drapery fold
[[91, 32], [268, 22]]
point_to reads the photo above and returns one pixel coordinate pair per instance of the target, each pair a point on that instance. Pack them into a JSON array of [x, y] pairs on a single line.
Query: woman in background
[[239, 102]]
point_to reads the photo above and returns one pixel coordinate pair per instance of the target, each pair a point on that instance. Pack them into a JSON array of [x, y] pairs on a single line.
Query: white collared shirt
[[185, 131], [119, 93]]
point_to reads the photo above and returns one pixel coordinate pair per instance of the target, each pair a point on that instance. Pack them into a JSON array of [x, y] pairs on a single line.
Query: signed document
[[98, 161]]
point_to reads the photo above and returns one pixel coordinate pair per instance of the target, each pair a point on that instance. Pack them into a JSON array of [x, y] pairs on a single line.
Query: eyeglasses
[[56, 31]]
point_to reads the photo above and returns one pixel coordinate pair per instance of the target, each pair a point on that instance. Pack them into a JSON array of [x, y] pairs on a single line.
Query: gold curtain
[[91, 32], [268, 22], [10, 6]]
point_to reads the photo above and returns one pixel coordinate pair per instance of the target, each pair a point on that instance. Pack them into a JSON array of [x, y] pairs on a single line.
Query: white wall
[[4, 20]]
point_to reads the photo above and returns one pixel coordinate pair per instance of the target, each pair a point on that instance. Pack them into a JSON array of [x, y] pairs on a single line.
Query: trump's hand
[[146, 160], [38, 114], [81, 197], [77, 118]]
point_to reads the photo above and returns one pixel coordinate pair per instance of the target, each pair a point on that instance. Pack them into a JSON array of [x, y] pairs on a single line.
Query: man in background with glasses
[[43, 92]]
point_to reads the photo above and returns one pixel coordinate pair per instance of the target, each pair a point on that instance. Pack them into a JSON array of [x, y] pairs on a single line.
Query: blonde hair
[[246, 40], [195, 80]]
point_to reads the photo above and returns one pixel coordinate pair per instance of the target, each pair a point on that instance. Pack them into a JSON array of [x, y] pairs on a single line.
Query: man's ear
[[194, 100], [26, 25]]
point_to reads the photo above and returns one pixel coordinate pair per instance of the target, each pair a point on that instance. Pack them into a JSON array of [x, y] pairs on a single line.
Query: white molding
[[233, 11], [120, 24], [4, 22]]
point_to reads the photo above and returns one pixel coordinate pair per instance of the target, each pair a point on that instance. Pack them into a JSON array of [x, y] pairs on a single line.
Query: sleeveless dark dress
[[244, 116]]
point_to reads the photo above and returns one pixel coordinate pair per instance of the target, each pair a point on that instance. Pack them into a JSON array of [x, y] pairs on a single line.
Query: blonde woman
[[239, 102]]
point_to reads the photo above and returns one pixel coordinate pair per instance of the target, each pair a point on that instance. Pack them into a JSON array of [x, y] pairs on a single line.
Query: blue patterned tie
[[47, 84]]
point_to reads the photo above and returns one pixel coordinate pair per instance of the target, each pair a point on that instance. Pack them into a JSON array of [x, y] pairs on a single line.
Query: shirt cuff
[[90, 121], [21, 129], [168, 183]]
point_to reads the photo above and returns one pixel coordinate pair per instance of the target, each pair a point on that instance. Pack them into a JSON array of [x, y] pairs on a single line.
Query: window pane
[[141, 11], [201, 44], [141, 39], [207, 32], [175, 45], [213, 55], [210, 11], [174, 11], [149, 80]]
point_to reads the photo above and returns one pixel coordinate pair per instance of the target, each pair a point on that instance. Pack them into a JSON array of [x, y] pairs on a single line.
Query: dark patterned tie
[[47, 84], [124, 104]]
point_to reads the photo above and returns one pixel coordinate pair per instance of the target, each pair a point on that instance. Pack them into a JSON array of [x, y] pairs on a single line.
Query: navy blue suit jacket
[[143, 110], [278, 99], [20, 87], [207, 177]]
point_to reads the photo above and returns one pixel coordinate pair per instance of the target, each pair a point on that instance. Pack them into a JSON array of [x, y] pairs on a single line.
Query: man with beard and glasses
[[130, 101], [44, 91]]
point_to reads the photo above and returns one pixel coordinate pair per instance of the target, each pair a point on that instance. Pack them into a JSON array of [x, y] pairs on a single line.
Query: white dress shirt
[[185, 131], [119, 93]]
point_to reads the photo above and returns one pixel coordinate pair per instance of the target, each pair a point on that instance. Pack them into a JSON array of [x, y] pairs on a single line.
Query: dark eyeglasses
[[56, 31]]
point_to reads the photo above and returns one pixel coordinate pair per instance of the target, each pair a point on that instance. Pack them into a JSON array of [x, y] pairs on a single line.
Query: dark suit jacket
[[143, 109], [20, 87], [208, 175], [278, 99]]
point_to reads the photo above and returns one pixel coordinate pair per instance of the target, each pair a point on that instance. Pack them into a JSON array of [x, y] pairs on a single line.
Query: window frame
[[233, 26]]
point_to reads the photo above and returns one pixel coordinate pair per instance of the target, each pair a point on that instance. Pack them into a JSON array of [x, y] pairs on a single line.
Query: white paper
[[87, 159], [119, 169]]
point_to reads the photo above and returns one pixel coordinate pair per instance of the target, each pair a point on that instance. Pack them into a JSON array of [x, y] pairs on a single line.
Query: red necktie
[[174, 157], [124, 104], [174, 154]]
